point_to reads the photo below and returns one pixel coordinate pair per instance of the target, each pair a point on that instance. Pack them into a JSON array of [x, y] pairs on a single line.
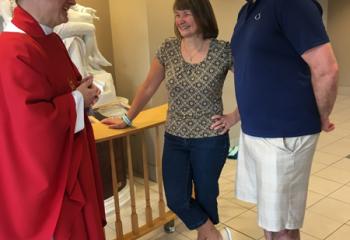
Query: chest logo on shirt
[[257, 17]]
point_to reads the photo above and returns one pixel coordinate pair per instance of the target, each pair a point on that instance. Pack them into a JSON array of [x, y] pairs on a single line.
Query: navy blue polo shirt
[[272, 82]]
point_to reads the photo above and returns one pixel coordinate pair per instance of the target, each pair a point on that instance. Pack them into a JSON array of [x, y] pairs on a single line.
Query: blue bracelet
[[126, 120]]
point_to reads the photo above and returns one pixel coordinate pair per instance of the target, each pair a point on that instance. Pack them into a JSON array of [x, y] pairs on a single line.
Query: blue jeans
[[194, 162]]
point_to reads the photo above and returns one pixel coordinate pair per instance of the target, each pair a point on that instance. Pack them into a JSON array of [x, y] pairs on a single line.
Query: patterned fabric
[[194, 90]]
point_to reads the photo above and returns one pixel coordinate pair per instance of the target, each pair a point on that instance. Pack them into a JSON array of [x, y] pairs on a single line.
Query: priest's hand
[[114, 122], [89, 91]]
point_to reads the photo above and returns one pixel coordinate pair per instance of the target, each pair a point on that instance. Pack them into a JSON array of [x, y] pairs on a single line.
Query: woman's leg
[[208, 156], [177, 176]]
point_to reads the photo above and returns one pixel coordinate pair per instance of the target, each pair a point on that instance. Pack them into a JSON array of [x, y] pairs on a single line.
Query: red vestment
[[49, 177]]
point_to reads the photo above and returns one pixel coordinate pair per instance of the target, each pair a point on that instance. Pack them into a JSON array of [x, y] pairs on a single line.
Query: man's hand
[[326, 125], [89, 91]]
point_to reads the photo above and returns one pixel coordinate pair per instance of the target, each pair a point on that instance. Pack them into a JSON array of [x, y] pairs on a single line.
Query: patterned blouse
[[194, 90]]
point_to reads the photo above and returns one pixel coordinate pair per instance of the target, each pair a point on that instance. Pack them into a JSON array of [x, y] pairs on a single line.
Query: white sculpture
[[79, 37], [6, 10]]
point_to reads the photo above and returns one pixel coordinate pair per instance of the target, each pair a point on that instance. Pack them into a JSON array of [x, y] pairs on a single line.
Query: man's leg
[[283, 235], [283, 168]]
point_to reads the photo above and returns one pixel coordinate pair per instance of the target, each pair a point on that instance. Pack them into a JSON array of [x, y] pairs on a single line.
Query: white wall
[[130, 44], [338, 27], [324, 4], [226, 12]]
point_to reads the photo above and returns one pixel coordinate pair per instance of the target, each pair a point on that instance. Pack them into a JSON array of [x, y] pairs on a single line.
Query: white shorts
[[274, 174]]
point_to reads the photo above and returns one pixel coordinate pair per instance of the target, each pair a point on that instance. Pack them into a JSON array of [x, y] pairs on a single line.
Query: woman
[[194, 66]]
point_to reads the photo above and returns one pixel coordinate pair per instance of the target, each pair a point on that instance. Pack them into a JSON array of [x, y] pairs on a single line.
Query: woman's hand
[[114, 122], [223, 123]]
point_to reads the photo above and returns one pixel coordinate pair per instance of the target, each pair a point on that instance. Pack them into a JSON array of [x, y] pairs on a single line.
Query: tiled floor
[[328, 207]]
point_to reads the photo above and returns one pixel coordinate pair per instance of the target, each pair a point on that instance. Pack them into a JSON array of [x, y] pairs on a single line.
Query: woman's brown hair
[[203, 15]]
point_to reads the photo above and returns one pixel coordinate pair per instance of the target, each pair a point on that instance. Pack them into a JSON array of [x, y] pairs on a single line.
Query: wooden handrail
[[146, 119], [151, 118]]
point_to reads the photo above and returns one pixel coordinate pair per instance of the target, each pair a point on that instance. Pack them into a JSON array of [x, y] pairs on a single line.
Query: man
[[286, 80], [49, 177]]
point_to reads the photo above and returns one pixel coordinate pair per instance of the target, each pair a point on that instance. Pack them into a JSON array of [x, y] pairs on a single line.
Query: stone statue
[[79, 37], [6, 10]]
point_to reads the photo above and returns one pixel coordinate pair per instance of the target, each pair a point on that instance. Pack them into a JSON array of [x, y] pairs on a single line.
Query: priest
[[50, 186]]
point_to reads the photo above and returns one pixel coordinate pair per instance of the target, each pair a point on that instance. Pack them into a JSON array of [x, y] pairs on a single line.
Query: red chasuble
[[49, 177]]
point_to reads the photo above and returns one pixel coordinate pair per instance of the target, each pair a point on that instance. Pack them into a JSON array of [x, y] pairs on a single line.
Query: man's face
[[54, 12]]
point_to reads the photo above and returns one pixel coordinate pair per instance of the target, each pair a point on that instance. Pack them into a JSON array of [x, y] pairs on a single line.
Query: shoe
[[233, 153], [226, 234]]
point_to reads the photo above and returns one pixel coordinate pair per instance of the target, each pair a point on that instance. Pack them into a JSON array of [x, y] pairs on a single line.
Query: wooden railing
[[151, 118]]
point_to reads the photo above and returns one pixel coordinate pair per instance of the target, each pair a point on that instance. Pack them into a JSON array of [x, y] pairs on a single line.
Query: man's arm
[[324, 74]]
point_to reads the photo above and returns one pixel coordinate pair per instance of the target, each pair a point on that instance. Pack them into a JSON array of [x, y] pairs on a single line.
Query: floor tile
[[305, 236], [339, 132], [181, 228], [109, 233], [230, 196], [332, 209], [341, 98], [343, 194], [246, 223], [169, 236], [312, 198], [340, 147], [343, 164], [325, 158], [319, 226], [323, 186], [342, 233], [229, 171], [316, 167], [339, 107], [229, 210], [344, 125], [225, 185], [240, 236], [327, 139], [334, 174]]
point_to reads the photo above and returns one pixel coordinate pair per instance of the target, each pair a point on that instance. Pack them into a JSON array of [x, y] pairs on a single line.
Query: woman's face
[[186, 23]]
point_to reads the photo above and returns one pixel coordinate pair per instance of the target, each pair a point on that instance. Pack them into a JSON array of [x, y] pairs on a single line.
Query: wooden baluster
[[134, 217], [159, 175], [148, 209], [118, 222]]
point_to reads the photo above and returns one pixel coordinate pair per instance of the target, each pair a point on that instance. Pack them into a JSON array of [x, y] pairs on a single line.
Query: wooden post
[[118, 222], [148, 209], [159, 174], [134, 217]]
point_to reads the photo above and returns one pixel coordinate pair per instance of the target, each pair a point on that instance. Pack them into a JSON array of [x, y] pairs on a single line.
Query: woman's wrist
[[126, 119]]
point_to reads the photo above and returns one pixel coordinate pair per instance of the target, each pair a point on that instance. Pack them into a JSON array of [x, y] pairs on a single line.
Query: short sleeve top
[[272, 81], [194, 90]]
